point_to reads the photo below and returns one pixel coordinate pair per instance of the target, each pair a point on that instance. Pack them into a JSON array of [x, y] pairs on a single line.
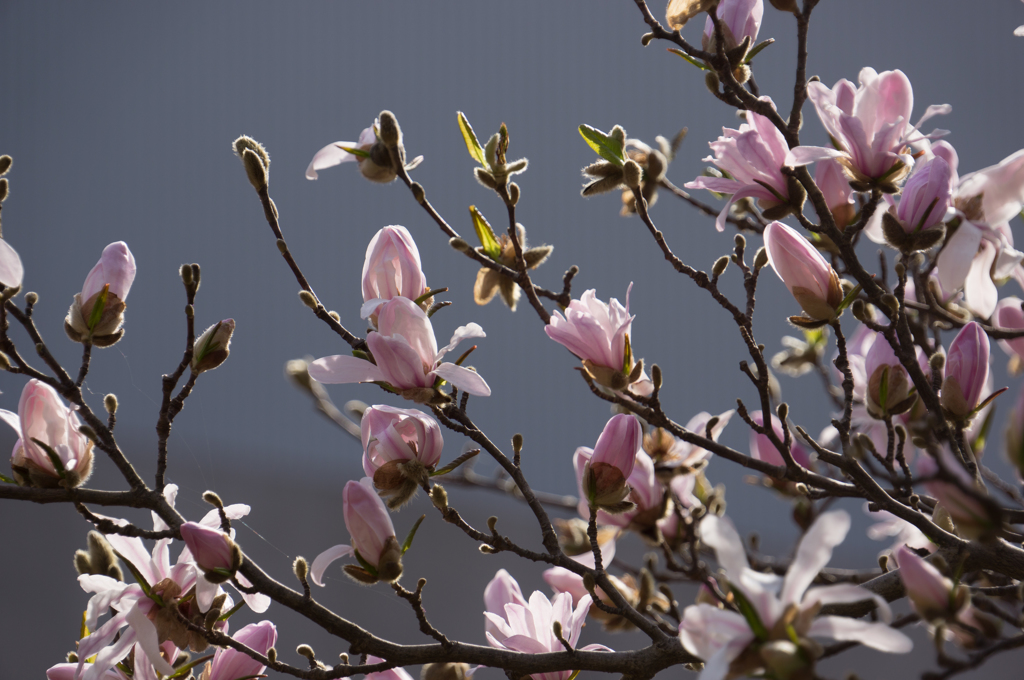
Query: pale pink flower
[[335, 154], [834, 185], [100, 324], [501, 590], [644, 491], [115, 268], [1010, 316], [369, 525], [889, 526], [931, 594], [925, 196], [719, 636], [529, 628], [373, 157], [392, 268], [562, 580], [761, 446], [619, 443], [11, 269], [398, 434], [212, 549], [43, 416], [966, 371], [406, 354], [870, 124], [754, 156], [740, 19], [806, 273], [888, 384], [229, 664], [398, 673]]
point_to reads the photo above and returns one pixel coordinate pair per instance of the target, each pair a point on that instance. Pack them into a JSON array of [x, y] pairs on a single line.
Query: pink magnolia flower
[[398, 434], [11, 269], [806, 273], [834, 185], [390, 674], [888, 384], [740, 19], [980, 252], [870, 124], [229, 664], [392, 269], [761, 446], [96, 315], [336, 154], [966, 371], [644, 491], [925, 197], [369, 152], [562, 580], [754, 156], [673, 453], [932, 594], [406, 355], [212, 549], [719, 636], [502, 590], [598, 333], [43, 416], [605, 474], [373, 536], [1010, 316], [529, 627]]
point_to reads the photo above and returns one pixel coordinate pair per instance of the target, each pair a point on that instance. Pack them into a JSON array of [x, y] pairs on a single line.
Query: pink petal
[[329, 156], [815, 550], [875, 635], [342, 368], [464, 379], [324, 560]]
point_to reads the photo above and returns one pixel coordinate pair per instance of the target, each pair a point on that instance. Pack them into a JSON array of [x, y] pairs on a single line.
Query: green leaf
[[141, 580], [227, 615], [627, 357], [699, 64], [450, 467], [604, 145], [370, 568], [750, 614], [756, 49], [97, 308], [979, 441], [412, 534], [883, 389], [7, 480], [848, 300], [472, 143], [355, 152], [486, 235], [58, 464], [429, 294]]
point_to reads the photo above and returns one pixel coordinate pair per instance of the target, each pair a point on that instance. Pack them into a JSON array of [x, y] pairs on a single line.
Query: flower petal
[[815, 550], [324, 559], [342, 368], [464, 379], [875, 635]]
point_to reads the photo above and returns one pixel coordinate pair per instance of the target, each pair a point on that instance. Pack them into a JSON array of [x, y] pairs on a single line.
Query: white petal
[[876, 635], [815, 550], [845, 593], [470, 330], [341, 368], [258, 602], [324, 559], [720, 534], [11, 270], [464, 379], [329, 156], [148, 640]]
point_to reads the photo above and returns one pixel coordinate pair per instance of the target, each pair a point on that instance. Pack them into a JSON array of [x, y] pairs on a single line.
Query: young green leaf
[[472, 143], [604, 145], [486, 235], [690, 59], [412, 534], [756, 49]]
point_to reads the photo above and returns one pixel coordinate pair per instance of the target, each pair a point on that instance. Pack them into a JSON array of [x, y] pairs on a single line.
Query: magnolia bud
[[5, 188], [513, 193], [213, 346], [110, 403], [301, 568], [306, 651], [5, 164], [418, 192], [390, 132], [721, 264], [632, 174], [646, 39], [31, 298], [254, 170], [308, 299], [517, 442], [459, 245]]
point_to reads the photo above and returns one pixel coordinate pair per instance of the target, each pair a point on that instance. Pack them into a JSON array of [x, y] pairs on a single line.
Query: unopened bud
[[82, 564], [460, 245], [186, 274], [901, 269], [5, 164], [213, 499], [517, 442], [418, 192], [282, 246], [31, 298], [110, 403], [485, 178], [883, 563], [632, 174], [761, 258], [254, 170], [556, 628], [860, 310], [783, 411], [72, 657], [656, 376], [937, 362], [513, 193], [439, 497], [390, 132], [889, 300], [711, 81], [802, 489], [487, 550], [89, 433], [721, 264], [301, 568], [308, 299], [306, 651], [213, 346], [5, 362], [272, 655], [646, 39], [5, 188], [444, 671], [242, 143], [334, 315], [588, 582], [492, 523]]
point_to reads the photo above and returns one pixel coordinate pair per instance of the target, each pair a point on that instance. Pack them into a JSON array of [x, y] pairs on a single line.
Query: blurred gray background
[[120, 116]]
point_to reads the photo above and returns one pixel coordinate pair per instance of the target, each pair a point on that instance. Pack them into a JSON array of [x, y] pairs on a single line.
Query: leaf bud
[[390, 132], [901, 269], [890, 301], [242, 143], [711, 81], [439, 497], [783, 411], [485, 178], [513, 193], [418, 192], [492, 523], [740, 241], [334, 315], [254, 170], [883, 563], [5, 164], [82, 564], [272, 655], [301, 568], [487, 550], [556, 628], [186, 274], [110, 403], [517, 442], [646, 39], [937, 361], [656, 376], [761, 258], [282, 246], [632, 174], [785, 5], [860, 310], [588, 582], [31, 298], [5, 188], [89, 433], [721, 264], [308, 299], [459, 245], [306, 651]]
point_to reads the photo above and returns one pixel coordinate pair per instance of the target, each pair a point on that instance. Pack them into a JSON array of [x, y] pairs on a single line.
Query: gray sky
[[120, 115]]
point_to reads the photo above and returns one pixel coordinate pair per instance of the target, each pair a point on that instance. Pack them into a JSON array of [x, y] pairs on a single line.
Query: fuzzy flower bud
[[213, 346], [98, 311], [966, 371], [806, 273]]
